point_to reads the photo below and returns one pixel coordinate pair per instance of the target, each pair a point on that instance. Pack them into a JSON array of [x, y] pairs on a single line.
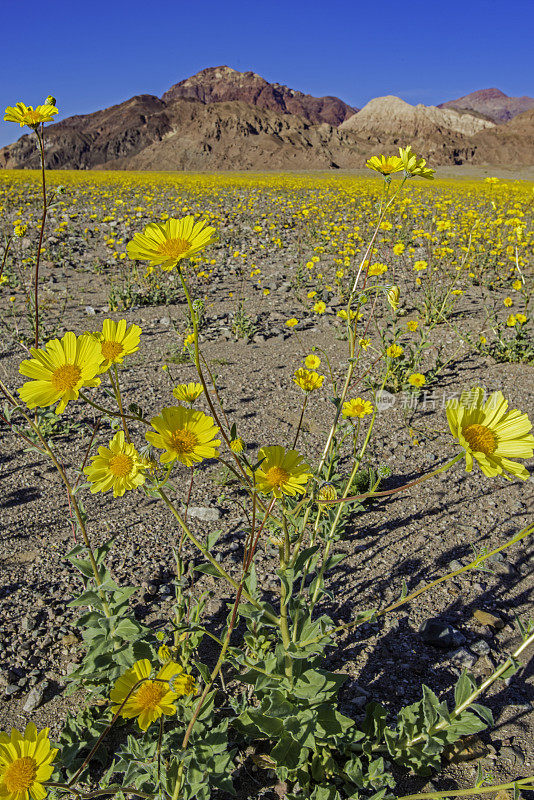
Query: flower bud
[[50, 100], [393, 297], [327, 492]]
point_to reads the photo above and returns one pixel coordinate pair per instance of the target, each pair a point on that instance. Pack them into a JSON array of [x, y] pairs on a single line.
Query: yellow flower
[[398, 248], [364, 343], [166, 244], [521, 318], [152, 698], [290, 323], [189, 339], [311, 295], [118, 467], [377, 269], [319, 307], [483, 339], [413, 166], [490, 433], [312, 361], [508, 302], [185, 435], [342, 314], [20, 230], [491, 180], [188, 392], [394, 351], [517, 285], [60, 371], [237, 445], [117, 341], [420, 265], [308, 380], [386, 166], [417, 379], [25, 763], [412, 325], [27, 115], [511, 321], [357, 408], [3, 279], [281, 472]]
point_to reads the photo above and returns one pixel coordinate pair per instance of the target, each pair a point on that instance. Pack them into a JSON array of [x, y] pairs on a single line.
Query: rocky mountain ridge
[[220, 119], [493, 103]]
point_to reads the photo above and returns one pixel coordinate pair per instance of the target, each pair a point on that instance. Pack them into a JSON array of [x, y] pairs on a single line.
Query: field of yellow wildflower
[[444, 306]]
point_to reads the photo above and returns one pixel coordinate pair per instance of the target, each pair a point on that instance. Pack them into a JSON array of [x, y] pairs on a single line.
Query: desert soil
[[415, 536]]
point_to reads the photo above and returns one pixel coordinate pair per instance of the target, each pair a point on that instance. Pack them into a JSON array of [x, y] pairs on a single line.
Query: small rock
[[165, 321], [35, 697], [463, 657], [204, 513], [455, 565], [490, 620], [89, 310], [468, 748], [441, 634], [481, 647]]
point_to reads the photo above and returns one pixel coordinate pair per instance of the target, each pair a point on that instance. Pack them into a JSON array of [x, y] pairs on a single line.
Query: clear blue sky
[[94, 54]]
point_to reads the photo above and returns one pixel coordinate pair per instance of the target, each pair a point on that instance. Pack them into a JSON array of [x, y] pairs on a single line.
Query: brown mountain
[[220, 84], [211, 133], [493, 103], [511, 143], [148, 133], [89, 140]]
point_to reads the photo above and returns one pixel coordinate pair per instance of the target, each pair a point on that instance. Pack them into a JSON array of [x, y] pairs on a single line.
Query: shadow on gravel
[[20, 496]]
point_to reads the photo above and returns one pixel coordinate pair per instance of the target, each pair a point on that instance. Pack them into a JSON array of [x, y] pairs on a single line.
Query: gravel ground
[[414, 536]]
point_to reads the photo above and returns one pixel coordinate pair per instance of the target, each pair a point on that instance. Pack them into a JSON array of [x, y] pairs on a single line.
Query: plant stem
[[117, 391], [208, 555], [521, 783], [41, 233]]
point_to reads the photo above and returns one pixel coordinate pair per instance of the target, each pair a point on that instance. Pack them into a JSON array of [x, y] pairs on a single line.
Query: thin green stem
[[205, 552], [520, 783], [117, 391], [41, 233]]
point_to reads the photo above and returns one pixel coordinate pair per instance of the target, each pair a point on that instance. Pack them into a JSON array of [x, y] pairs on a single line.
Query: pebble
[[35, 697], [480, 647], [89, 310], [464, 657], [441, 634], [204, 513], [490, 620]]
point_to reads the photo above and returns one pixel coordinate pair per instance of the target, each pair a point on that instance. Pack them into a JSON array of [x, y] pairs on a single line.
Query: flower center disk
[[276, 476], [120, 465], [183, 441], [111, 350], [480, 439], [150, 694], [20, 774], [173, 248], [66, 377]]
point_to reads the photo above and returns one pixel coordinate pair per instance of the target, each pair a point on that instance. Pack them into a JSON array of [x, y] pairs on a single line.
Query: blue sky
[[94, 54]]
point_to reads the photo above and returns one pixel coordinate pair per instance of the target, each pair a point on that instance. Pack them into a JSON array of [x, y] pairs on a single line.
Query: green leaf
[[208, 569], [287, 752], [463, 689], [303, 557], [465, 725]]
